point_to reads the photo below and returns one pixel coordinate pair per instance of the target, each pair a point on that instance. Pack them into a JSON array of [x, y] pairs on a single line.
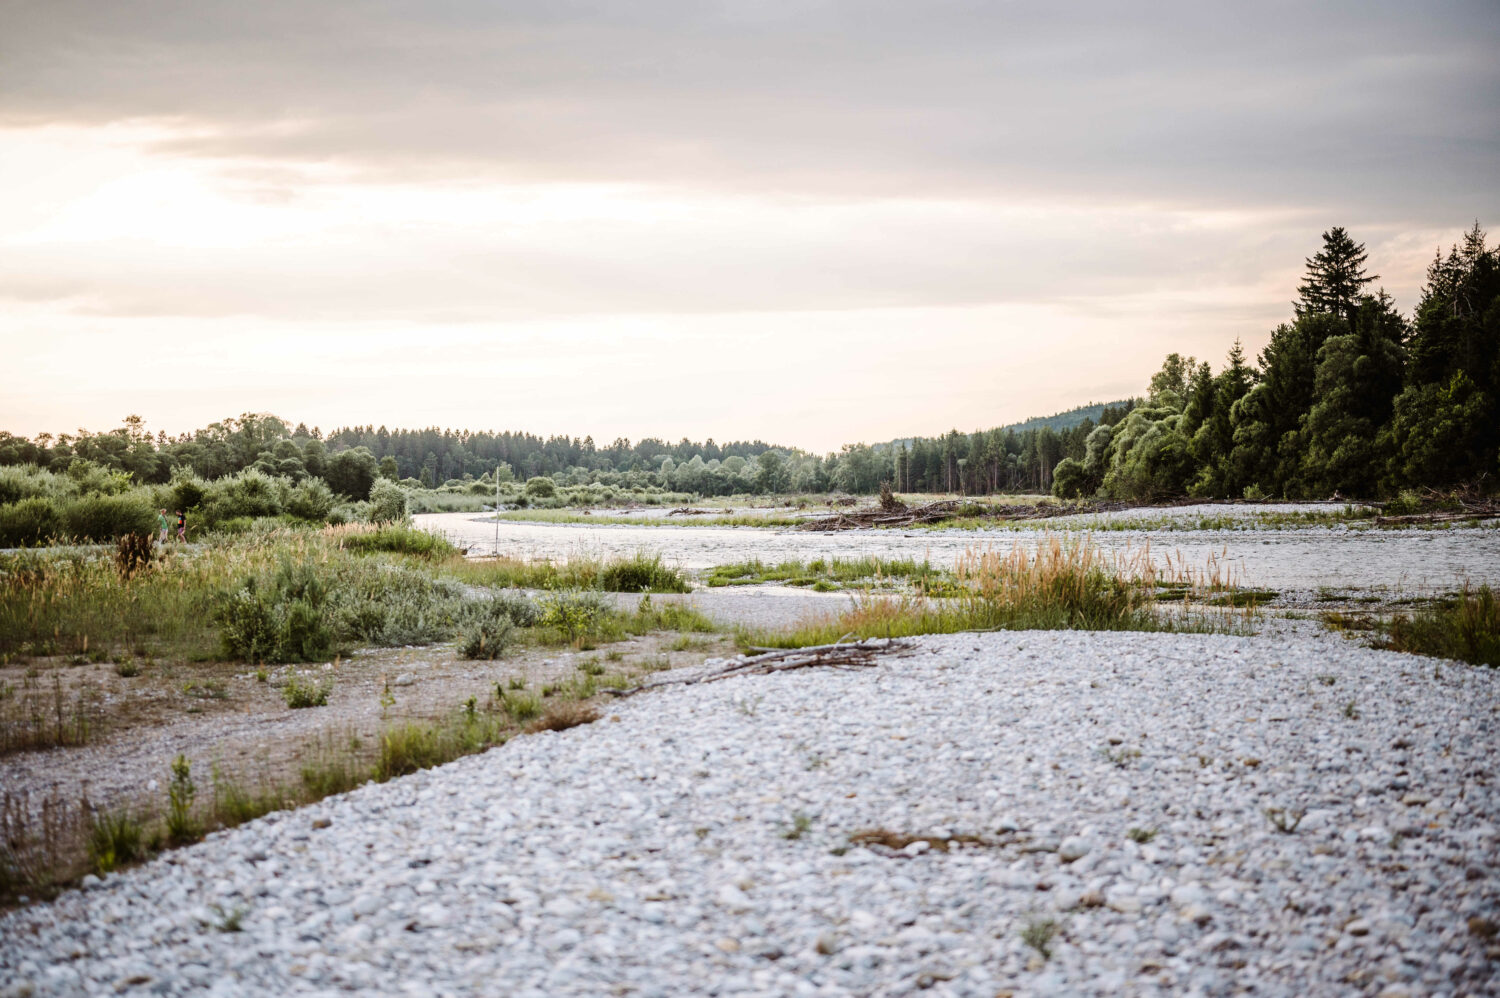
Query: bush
[[299, 694], [103, 518], [642, 574], [188, 491], [30, 482], [387, 503], [487, 639], [28, 522], [575, 613], [541, 488], [1068, 479], [311, 500], [282, 619]]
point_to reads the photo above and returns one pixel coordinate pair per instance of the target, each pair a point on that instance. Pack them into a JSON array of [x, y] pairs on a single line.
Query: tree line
[[1350, 398]]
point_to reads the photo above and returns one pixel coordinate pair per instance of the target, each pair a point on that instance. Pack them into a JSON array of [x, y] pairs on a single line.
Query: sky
[[810, 223]]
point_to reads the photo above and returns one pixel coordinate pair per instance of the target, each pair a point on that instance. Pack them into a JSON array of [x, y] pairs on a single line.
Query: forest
[[1348, 398]]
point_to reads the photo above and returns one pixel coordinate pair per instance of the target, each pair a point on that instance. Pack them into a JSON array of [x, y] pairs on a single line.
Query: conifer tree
[[1335, 277]]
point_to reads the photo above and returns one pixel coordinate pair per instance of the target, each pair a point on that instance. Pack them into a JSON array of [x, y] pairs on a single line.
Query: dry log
[[854, 655]]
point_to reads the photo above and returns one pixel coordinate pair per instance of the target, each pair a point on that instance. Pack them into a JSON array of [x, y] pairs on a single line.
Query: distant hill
[[1065, 420], [1057, 421]]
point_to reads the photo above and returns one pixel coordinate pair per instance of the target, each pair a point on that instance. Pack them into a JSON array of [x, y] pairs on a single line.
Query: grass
[[1466, 628], [827, 574], [575, 516], [1061, 584], [641, 572], [1038, 934], [283, 595]]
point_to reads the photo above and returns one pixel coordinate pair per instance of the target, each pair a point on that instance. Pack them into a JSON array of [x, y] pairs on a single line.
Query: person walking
[[161, 525], [181, 526]]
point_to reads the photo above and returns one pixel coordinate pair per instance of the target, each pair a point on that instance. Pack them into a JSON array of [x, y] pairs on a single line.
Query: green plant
[[800, 826], [181, 826], [643, 573], [299, 694], [486, 639], [230, 921], [127, 668], [1466, 628], [1141, 835], [1038, 934], [1351, 710], [521, 706], [115, 839], [574, 613]]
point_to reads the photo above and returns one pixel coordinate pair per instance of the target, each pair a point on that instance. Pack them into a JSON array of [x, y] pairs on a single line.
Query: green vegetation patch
[[827, 575], [1466, 628]]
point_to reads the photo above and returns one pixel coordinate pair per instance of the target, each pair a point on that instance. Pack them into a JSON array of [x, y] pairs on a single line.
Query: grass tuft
[[1467, 629]]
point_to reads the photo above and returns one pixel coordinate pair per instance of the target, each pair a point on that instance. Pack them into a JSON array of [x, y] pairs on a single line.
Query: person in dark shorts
[[181, 525]]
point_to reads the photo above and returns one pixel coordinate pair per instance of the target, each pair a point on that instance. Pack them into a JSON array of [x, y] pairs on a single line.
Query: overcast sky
[[812, 223]]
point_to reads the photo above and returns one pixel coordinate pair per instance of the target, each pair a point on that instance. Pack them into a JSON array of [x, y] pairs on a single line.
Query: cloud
[[1352, 106]]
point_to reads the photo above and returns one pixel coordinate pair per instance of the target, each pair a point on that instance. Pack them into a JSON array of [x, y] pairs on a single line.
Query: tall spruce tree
[[1335, 278]]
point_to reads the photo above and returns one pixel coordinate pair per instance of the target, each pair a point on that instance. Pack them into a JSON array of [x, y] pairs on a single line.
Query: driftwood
[[854, 655], [1464, 504], [690, 511]]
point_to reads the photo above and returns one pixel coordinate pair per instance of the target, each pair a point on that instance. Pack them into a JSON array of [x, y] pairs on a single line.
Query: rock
[[1074, 847], [1358, 927], [405, 679]]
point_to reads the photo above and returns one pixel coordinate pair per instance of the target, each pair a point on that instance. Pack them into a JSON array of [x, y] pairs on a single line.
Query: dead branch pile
[[933, 512], [1465, 504], [855, 655], [690, 511]]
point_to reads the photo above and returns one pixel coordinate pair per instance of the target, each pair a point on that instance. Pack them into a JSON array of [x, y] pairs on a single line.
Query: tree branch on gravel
[[859, 654]]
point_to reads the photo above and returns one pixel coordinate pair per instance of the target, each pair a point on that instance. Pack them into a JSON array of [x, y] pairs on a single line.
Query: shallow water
[[1412, 561]]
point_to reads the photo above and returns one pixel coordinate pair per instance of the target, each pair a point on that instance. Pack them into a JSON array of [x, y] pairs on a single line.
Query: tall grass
[[1466, 628], [1059, 584], [828, 573], [641, 572]]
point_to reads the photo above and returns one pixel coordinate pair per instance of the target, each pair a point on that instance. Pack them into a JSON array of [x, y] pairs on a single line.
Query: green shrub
[[522, 611], [574, 613], [541, 488], [387, 503], [27, 481], [188, 491], [281, 619], [486, 639], [105, 517], [644, 573], [299, 694], [28, 522], [311, 500]]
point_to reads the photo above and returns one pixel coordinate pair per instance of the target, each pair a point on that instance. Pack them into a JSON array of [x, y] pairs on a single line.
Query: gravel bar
[[698, 841]]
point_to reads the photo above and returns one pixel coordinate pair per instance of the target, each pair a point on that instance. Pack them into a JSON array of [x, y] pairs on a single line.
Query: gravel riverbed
[[697, 841]]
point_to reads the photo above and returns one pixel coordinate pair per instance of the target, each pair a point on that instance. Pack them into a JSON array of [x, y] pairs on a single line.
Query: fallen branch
[[860, 654]]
